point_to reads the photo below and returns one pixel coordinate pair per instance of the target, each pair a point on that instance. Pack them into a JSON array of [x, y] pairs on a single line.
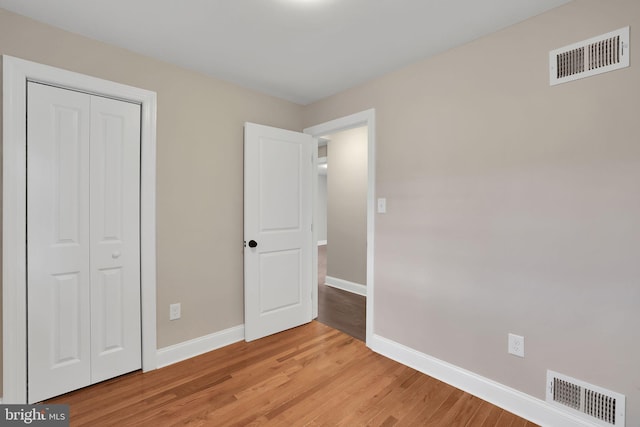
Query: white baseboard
[[185, 350], [517, 402], [322, 242], [345, 285]]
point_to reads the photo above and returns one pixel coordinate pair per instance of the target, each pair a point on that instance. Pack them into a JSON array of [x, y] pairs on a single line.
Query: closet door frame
[[15, 74]]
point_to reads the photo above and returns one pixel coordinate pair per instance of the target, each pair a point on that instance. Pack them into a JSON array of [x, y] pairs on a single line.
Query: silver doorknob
[[116, 254]]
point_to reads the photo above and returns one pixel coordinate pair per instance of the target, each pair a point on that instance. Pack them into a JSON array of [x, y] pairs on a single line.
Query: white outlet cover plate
[[174, 311], [516, 345]]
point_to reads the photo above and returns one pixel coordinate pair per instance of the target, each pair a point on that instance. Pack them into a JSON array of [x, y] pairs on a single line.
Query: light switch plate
[[382, 205]]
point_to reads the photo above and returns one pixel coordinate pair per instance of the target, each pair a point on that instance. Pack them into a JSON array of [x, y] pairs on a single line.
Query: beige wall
[[199, 169], [512, 206], [347, 206]]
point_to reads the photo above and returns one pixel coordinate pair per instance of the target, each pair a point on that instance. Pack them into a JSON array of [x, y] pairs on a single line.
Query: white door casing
[[83, 220], [16, 74], [277, 217]]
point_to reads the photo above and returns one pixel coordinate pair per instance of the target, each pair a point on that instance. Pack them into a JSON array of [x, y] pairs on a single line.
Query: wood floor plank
[[402, 396], [435, 398], [414, 404], [372, 403], [263, 404], [346, 396], [462, 412], [352, 370], [482, 413], [506, 419], [270, 406], [492, 418], [441, 415], [308, 376]]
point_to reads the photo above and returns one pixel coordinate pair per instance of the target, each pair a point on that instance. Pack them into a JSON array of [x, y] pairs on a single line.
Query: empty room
[[160, 221]]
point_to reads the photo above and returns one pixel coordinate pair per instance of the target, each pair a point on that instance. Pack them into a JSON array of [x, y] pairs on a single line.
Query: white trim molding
[[364, 118], [16, 73], [185, 350], [345, 285], [517, 402], [322, 242]]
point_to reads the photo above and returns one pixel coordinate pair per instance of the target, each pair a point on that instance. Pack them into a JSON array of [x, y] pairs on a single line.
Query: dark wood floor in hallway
[[312, 375], [342, 310]]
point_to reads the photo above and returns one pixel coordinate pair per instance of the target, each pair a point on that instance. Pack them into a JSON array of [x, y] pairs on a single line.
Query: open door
[[278, 167]]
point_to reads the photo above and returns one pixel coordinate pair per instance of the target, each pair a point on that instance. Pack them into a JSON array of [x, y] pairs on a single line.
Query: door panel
[[58, 241], [280, 278], [278, 167], [66, 326], [115, 236], [280, 192], [109, 293]]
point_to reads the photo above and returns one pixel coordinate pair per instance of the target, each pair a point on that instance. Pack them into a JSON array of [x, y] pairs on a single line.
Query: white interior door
[[277, 229], [83, 248]]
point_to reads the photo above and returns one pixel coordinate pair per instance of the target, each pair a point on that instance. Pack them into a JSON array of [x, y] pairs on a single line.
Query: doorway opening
[[342, 227], [359, 281]]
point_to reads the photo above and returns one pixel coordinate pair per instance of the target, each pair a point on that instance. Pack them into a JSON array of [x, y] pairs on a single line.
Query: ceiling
[[299, 50]]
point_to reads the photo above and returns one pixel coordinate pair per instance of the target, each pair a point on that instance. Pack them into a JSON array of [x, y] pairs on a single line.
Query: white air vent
[[597, 55], [599, 406]]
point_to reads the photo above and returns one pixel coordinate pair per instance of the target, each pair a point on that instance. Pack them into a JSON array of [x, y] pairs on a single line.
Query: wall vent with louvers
[[597, 55], [596, 404]]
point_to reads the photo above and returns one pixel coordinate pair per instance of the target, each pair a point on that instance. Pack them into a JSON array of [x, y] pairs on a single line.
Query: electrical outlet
[[516, 345], [174, 311]]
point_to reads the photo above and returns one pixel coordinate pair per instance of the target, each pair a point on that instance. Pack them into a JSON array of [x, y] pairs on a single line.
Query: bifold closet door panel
[[58, 241], [115, 238]]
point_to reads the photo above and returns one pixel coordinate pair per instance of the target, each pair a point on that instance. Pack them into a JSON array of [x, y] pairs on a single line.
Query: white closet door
[[58, 241], [83, 186], [115, 238]]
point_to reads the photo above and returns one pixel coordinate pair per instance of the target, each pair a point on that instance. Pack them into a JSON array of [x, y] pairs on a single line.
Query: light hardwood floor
[[308, 376]]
